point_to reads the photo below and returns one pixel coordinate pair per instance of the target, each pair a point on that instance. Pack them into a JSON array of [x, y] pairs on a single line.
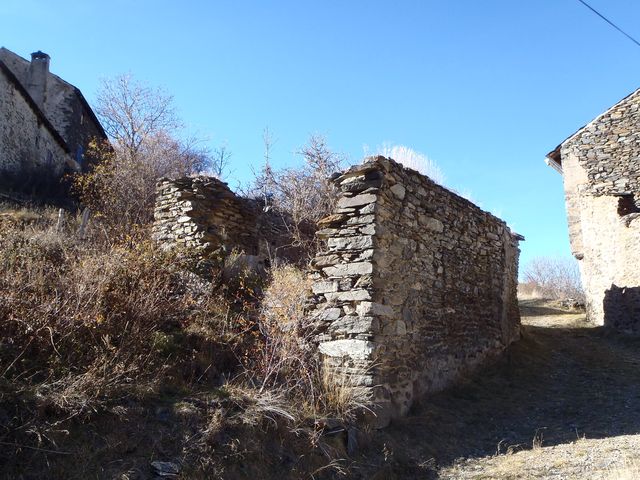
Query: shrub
[[556, 278], [84, 323], [303, 195]]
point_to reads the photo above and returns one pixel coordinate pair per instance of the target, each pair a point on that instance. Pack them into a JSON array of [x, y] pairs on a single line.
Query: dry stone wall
[[601, 172], [203, 213], [417, 285]]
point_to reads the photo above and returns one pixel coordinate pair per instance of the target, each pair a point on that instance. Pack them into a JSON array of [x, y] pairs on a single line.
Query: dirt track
[[565, 403]]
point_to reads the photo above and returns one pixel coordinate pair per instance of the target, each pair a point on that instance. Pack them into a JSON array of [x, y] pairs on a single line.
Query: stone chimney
[[37, 78]]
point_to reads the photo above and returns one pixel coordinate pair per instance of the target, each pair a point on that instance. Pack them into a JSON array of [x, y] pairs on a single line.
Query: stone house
[[45, 125], [600, 166]]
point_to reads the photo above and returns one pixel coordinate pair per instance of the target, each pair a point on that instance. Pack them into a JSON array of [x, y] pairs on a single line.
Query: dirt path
[[564, 404]]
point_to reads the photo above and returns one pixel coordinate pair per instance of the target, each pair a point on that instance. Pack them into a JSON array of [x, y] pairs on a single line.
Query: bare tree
[[305, 194], [142, 125], [555, 277]]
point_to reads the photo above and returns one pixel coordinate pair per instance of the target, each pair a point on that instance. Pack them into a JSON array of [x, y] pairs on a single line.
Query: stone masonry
[[46, 127], [203, 213], [416, 288], [600, 165]]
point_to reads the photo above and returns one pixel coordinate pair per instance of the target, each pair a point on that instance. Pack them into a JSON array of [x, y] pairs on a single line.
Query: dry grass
[[97, 332]]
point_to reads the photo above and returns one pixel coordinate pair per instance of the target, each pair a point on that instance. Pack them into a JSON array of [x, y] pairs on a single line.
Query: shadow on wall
[[622, 308], [43, 184]]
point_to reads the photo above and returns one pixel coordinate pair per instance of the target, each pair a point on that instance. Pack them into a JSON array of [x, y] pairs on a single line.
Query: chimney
[[37, 79]]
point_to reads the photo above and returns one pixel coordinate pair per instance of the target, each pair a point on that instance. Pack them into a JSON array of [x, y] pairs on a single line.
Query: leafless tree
[[305, 194], [555, 277], [143, 129]]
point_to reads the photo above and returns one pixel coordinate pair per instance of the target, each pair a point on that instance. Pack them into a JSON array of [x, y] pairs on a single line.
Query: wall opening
[[627, 204]]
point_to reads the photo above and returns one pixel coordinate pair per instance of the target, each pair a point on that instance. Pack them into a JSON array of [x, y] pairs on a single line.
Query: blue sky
[[484, 88]]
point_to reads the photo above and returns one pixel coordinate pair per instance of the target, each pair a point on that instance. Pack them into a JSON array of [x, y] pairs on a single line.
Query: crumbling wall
[[417, 285], [601, 172], [203, 213]]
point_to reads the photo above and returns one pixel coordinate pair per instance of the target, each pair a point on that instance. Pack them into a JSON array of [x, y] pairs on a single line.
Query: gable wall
[[600, 165], [30, 157]]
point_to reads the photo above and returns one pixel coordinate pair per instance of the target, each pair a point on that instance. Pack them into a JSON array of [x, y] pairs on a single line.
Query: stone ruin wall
[[203, 213], [416, 288], [601, 172]]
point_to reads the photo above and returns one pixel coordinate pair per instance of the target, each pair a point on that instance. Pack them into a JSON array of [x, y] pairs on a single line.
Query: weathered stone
[[430, 223], [350, 243], [414, 232], [357, 349], [346, 269], [324, 287], [398, 190], [358, 200], [349, 296]]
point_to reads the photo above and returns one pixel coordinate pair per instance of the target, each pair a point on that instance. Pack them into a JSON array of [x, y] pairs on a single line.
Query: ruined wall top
[[202, 212]]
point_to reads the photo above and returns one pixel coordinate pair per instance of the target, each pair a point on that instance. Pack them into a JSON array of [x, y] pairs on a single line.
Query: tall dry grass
[[90, 325]]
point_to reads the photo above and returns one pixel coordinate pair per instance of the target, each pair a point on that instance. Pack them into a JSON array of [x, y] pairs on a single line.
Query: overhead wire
[[610, 22]]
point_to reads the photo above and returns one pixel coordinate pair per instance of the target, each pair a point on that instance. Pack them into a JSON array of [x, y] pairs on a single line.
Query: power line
[[610, 22]]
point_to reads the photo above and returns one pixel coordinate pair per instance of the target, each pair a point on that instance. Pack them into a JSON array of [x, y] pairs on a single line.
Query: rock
[[398, 190], [166, 469], [346, 269], [347, 348], [358, 200], [351, 243]]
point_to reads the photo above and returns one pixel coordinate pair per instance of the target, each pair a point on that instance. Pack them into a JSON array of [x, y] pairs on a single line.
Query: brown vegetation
[[96, 329], [552, 278]]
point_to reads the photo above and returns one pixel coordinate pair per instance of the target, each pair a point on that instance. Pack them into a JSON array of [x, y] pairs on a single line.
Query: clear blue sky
[[484, 88]]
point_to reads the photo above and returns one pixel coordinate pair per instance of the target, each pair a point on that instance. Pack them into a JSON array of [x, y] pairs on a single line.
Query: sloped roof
[[555, 154], [20, 67]]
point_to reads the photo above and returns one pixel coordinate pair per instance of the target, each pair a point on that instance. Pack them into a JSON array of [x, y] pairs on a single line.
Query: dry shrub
[[84, 324], [302, 195], [555, 278], [287, 362], [286, 354]]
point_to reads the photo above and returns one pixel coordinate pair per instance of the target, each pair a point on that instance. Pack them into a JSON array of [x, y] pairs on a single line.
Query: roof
[[19, 65], [555, 154]]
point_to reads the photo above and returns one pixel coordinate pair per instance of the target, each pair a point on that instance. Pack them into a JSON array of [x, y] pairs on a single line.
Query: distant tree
[[142, 126], [554, 277]]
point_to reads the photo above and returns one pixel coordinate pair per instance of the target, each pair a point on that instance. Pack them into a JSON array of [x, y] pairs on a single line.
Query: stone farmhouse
[[416, 288], [45, 125], [600, 166]]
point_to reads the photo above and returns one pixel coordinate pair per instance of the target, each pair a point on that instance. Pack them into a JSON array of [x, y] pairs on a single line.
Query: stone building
[[45, 125], [417, 286], [600, 166]]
